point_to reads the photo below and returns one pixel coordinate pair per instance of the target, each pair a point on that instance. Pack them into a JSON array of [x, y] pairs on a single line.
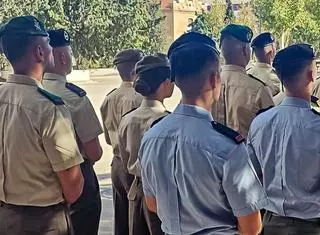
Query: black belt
[[314, 220], [8, 205]]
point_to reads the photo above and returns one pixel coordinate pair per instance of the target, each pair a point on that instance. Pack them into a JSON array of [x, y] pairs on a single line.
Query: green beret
[[132, 55], [241, 32], [59, 38], [23, 25], [262, 40], [152, 62]]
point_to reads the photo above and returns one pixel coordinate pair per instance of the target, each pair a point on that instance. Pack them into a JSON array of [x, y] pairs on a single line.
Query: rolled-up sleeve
[[241, 184]]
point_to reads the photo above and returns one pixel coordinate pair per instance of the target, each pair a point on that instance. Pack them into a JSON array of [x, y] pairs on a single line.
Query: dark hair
[[287, 72], [126, 70], [191, 61], [149, 81], [15, 46]]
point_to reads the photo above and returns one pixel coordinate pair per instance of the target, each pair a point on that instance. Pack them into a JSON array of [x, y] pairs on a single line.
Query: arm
[[264, 98], [250, 224], [151, 203], [104, 113], [72, 183], [93, 149]]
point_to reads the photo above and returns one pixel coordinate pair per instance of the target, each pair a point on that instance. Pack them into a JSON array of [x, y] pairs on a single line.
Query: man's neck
[[235, 63], [298, 94], [34, 75], [198, 101]]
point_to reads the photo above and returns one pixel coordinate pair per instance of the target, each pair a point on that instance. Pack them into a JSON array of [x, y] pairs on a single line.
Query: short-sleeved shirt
[[84, 118], [266, 73], [37, 140], [283, 144], [116, 104], [131, 130], [241, 98], [200, 178]]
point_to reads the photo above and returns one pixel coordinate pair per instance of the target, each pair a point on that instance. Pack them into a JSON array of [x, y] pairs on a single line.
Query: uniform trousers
[[31, 220], [141, 220], [279, 225], [121, 182], [86, 211]]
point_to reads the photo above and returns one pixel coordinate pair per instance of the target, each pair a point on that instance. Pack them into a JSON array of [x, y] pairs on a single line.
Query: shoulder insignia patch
[[228, 132], [55, 99], [315, 100], [257, 79], [159, 119], [264, 110], [111, 91], [128, 112], [79, 91], [315, 112]]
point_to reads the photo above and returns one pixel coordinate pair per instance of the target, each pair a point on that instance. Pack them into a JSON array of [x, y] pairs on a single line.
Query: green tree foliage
[[291, 20], [99, 28]]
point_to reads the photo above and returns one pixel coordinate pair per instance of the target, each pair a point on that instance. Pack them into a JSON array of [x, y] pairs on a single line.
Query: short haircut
[[191, 61], [15, 47], [288, 74], [126, 70]]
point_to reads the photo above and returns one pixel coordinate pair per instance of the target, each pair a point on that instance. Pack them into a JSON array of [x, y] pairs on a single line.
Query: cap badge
[[66, 36], [37, 25]]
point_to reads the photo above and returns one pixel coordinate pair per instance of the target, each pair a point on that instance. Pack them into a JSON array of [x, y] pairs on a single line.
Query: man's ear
[[214, 78], [38, 53], [63, 58]]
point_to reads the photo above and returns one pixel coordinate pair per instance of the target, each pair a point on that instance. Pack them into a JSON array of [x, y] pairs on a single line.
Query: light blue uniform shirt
[[200, 178], [284, 145]]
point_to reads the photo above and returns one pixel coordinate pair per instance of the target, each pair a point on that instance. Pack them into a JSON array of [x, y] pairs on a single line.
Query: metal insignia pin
[[37, 25], [66, 36]]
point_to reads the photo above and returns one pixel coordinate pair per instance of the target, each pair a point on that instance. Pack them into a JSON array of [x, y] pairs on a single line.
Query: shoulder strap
[[315, 100], [128, 112], [111, 91], [315, 112], [264, 110], [228, 132], [55, 99], [159, 119], [257, 79], [79, 91]]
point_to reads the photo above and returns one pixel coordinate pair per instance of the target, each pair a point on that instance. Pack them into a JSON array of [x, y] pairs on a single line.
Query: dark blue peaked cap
[[262, 40]]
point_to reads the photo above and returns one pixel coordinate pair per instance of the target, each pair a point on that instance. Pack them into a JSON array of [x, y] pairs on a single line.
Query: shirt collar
[[297, 102], [232, 67], [193, 111], [126, 84], [54, 77], [263, 65], [155, 104], [22, 79]]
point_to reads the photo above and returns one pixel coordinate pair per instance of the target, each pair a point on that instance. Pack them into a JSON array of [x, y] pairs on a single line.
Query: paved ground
[[97, 90]]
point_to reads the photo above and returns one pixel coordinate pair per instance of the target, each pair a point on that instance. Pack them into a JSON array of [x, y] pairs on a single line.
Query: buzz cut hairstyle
[[15, 47]]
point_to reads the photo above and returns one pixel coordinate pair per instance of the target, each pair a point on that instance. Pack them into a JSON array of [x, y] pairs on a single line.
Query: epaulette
[[159, 119], [315, 100], [55, 99], [264, 110], [249, 69], [111, 91], [315, 112], [257, 79], [128, 112], [80, 92], [226, 131]]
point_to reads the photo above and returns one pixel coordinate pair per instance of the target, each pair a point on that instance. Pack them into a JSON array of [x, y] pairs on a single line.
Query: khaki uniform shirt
[[316, 89], [37, 139], [84, 118], [241, 98], [266, 73], [116, 104], [131, 130], [315, 104]]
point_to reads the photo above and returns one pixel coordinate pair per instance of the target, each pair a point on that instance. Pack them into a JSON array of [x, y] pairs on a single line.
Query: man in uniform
[[283, 144], [264, 49], [196, 173], [39, 156], [85, 213], [242, 96], [117, 103]]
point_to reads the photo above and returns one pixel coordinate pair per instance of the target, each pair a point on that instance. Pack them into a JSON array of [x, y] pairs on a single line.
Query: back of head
[[125, 62], [60, 42], [18, 34], [263, 46], [190, 55], [234, 42], [290, 62], [151, 71]]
